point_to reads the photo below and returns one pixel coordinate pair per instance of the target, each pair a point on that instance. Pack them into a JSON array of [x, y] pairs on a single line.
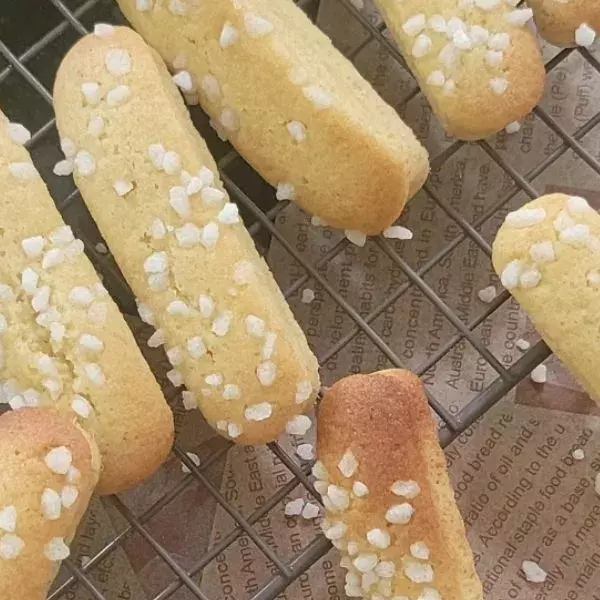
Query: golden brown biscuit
[[547, 255], [154, 192], [64, 341], [477, 63], [49, 467], [567, 22], [292, 105], [390, 506]]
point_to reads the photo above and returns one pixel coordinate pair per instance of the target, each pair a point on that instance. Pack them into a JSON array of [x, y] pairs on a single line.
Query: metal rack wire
[[71, 20]]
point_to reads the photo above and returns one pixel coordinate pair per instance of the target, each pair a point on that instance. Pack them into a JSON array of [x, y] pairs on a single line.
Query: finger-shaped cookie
[[152, 187], [476, 61], [49, 467], [390, 506], [294, 107], [63, 340], [567, 22], [547, 255]]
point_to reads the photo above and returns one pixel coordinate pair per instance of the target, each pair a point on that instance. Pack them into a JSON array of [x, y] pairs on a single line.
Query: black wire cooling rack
[[34, 35]]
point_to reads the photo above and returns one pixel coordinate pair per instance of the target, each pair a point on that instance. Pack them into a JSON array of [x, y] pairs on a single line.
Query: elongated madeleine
[[477, 62], [49, 467], [292, 105], [547, 255], [390, 506], [567, 23], [153, 189], [63, 341]]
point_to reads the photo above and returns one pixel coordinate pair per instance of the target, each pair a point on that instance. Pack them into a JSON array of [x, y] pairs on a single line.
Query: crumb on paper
[[101, 248], [522, 345], [539, 374], [578, 454], [356, 237], [308, 296], [310, 511], [533, 572], [487, 294], [513, 127], [194, 458], [294, 507], [397, 232]]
